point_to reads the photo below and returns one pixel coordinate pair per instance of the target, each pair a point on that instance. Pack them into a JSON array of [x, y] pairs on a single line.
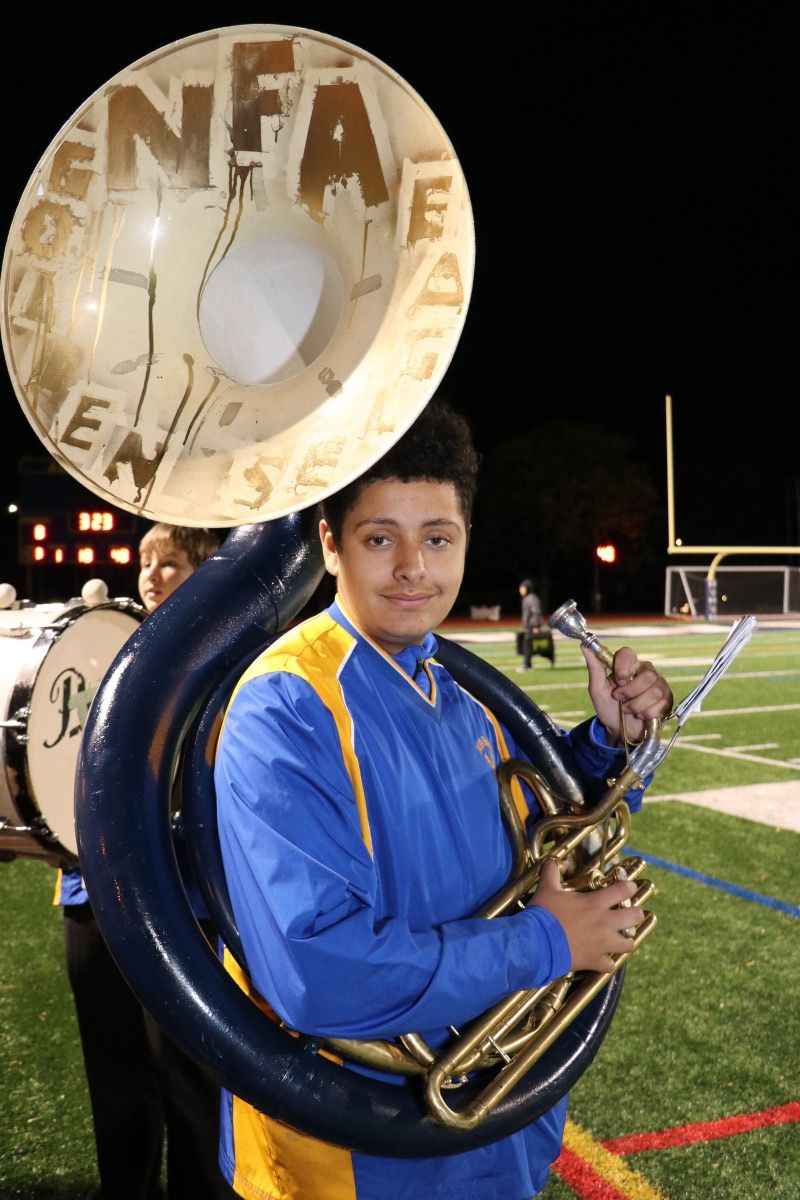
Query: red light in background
[[85, 554], [39, 531], [58, 555], [607, 553], [38, 553], [120, 555]]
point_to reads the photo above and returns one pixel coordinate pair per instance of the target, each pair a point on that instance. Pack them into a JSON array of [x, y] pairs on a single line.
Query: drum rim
[[16, 762]]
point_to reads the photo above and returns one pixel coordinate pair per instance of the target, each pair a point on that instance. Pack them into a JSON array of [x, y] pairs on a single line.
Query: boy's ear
[[330, 554]]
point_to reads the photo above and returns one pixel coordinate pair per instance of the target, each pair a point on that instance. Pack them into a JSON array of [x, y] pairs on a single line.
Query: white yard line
[[612, 632], [716, 712], [741, 712], [567, 720], [775, 804], [541, 685], [733, 752]]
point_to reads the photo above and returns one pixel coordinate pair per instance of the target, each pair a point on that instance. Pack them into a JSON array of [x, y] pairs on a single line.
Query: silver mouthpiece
[[569, 621]]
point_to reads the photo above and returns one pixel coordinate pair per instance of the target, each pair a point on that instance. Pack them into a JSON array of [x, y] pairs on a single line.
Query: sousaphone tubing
[[236, 276]]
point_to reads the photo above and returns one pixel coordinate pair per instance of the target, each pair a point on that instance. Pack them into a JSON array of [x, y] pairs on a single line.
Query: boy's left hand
[[642, 692]]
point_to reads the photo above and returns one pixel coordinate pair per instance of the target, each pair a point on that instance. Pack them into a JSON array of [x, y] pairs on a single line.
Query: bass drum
[[52, 660]]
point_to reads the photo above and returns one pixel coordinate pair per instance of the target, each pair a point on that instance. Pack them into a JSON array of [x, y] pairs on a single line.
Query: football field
[[695, 1091]]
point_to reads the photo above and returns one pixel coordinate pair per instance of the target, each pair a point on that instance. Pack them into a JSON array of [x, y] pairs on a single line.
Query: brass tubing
[[509, 1076], [418, 1048], [380, 1056], [590, 820], [413, 1055], [548, 1006], [586, 842]]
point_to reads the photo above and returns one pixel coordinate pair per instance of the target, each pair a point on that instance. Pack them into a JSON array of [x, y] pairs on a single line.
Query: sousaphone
[[236, 276]]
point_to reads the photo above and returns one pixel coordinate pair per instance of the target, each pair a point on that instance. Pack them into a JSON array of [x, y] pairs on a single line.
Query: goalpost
[[713, 574], [772, 589]]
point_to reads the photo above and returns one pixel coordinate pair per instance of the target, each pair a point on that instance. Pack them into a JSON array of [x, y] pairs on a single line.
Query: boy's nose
[[410, 565]]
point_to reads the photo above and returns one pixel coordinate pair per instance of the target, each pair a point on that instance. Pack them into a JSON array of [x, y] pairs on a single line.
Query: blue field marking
[[711, 881]]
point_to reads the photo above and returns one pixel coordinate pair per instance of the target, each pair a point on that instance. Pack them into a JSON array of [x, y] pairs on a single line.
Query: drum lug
[[41, 827], [128, 604], [6, 826], [18, 724], [38, 826]]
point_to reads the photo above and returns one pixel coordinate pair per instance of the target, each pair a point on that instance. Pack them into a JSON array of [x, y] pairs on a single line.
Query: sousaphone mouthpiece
[[568, 620]]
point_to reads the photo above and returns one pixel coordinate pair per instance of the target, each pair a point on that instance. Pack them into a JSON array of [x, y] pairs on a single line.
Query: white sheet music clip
[[737, 639]]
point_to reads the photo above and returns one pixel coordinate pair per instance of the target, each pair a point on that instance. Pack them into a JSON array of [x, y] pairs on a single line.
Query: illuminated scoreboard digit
[[95, 522]]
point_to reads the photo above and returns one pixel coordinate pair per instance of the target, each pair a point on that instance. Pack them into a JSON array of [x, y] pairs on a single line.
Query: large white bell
[[237, 275]]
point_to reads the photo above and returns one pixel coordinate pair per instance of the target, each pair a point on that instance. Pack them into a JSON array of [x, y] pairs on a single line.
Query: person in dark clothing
[[141, 1085], [532, 626]]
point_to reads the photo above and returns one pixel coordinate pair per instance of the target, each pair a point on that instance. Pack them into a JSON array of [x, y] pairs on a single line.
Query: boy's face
[[400, 561], [162, 568]]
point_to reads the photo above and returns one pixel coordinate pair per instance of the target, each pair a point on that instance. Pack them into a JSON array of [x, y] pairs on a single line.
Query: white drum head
[[65, 685]]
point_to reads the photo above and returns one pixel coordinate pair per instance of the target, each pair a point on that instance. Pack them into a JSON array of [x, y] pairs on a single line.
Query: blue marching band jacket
[[357, 803]]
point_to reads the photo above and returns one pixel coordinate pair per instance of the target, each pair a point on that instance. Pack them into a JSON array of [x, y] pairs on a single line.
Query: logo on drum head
[[70, 694]]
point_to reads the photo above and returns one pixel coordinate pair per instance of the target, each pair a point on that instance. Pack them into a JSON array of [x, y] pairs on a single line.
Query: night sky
[[631, 169]]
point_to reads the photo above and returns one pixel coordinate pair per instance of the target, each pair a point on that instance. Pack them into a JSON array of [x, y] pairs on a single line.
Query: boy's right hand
[[590, 920]]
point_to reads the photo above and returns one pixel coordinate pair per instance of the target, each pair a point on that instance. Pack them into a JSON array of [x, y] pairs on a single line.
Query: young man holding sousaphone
[[359, 822]]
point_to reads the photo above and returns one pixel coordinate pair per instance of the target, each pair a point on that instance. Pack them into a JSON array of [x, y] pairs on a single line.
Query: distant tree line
[[546, 499]]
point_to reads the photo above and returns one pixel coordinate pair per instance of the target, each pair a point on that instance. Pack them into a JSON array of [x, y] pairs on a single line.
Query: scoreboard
[[60, 523], [78, 537]]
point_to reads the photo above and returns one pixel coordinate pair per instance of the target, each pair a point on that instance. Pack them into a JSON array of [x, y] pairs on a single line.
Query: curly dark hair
[[438, 447]]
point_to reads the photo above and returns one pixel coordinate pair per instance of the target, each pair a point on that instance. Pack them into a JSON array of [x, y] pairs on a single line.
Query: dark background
[[632, 174]]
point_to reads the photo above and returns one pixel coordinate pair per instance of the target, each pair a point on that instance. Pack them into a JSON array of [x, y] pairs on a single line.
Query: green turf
[[46, 1143], [765, 675], [707, 1024]]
